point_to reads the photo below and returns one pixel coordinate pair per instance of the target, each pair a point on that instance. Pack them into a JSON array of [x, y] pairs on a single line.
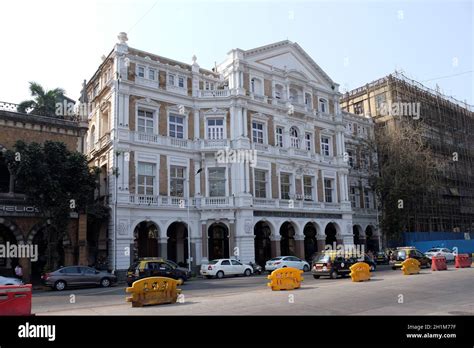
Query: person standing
[[19, 272]]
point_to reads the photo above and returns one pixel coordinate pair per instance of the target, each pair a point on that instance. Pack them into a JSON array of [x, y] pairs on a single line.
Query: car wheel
[[305, 268], [181, 279], [105, 282], [333, 275], [220, 275], [247, 273], [316, 276], [60, 285]]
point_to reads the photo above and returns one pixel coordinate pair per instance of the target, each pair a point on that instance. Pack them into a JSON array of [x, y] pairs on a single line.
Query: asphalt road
[[388, 292]]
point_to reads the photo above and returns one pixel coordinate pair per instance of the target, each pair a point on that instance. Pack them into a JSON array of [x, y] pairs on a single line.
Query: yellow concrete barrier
[[287, 278], [410, 266], [360, 271], [153, 291]]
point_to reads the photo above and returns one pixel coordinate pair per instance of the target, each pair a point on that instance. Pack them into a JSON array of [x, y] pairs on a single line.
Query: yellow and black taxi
[[156, 267], [402, 253]]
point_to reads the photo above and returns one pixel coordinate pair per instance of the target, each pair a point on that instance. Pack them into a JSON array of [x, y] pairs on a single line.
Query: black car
[[381, 258], [156, 267], [331, 264], [370, 261]]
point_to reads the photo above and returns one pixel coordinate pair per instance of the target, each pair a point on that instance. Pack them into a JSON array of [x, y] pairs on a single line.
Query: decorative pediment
[[291, 59]]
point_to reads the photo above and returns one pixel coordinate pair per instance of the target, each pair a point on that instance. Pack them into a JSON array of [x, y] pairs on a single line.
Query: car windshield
[[172, 263], [321, 258], [133, 266], [401, 255], [432, 250], [276, 259], [213, 262]]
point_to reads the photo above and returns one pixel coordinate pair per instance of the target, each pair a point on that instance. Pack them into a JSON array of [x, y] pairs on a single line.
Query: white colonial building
[[245, 160]]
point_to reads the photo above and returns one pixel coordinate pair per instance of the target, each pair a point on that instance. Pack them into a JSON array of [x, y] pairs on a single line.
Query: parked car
[[256, 269], [286, 261], [448, 254], [381, 258], [156, 267], [371, 262], [220, 268], [402, 253], [332, 264], [10, 281], [77, 276]]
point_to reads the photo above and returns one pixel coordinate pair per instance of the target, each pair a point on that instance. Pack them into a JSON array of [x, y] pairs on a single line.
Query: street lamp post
[[187, 222]]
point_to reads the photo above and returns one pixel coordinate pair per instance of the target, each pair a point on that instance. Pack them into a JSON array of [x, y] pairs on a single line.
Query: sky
[[59, 43]]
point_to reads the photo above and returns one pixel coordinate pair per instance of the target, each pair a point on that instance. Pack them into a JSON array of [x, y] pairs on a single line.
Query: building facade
[[20, 222], [447, 127], [245, 160]]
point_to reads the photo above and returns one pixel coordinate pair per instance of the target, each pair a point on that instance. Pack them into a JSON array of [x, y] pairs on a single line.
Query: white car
[[10, 281], [224, 267], [286, 261], [448, 254]]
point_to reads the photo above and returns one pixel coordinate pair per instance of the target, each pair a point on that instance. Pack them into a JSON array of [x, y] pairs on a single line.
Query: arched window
[[4, 174], [294, 136], [293, 95], [278, 92]]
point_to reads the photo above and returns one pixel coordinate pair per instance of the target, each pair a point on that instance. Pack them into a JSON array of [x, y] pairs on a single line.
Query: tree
[[56, 181], [44, 102], [408, 175]]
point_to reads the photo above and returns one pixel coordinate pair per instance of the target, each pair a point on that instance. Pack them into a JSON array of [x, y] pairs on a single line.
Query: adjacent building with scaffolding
[[447, 129]]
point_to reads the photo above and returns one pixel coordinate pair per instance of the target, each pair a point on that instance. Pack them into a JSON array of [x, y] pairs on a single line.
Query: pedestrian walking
[[19, 272]]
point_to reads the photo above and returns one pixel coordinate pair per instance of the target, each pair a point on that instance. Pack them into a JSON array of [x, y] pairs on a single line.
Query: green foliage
[[44, 102]]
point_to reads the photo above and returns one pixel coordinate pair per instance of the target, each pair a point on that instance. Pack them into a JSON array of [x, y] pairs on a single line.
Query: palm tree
[[44, 102]]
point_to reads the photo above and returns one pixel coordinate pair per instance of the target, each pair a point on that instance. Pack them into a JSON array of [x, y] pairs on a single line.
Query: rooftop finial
[[194, 59], [122, 36]]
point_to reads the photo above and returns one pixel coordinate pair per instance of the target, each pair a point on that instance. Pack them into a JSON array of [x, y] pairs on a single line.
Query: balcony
[[146, 82], [177, 89], [213, 144], [258, 97], [218, 93], [160, 140], [176, 202]]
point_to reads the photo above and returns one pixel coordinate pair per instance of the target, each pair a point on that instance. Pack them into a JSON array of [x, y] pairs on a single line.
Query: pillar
[[82, 240], [163, 247], [275, 246]]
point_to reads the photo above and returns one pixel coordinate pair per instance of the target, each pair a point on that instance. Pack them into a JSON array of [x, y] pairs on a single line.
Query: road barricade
[[360, 271], [15, 300], [438, 263], [287, 278], [410, 266], [462, 261], [153, 291]]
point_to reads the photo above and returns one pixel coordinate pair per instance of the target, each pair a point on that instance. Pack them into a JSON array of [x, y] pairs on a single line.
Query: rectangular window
[[257, 132], [349, 127], [141, 71], [352, 194], [260, 183], [151, 74], [145, 121], [328, 188], [181, 81], [176, 126], [325, 146], [146, 178], [277, 95], [367, 201], [171, 79], [308, 140], [217, 182], [279, 137], [285, 186], [379, 101], [177, 181], [350, 159], [215, 129], [308, 188], [358, 108]]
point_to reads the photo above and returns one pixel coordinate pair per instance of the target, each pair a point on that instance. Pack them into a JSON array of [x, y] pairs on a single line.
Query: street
[[387, 293]]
